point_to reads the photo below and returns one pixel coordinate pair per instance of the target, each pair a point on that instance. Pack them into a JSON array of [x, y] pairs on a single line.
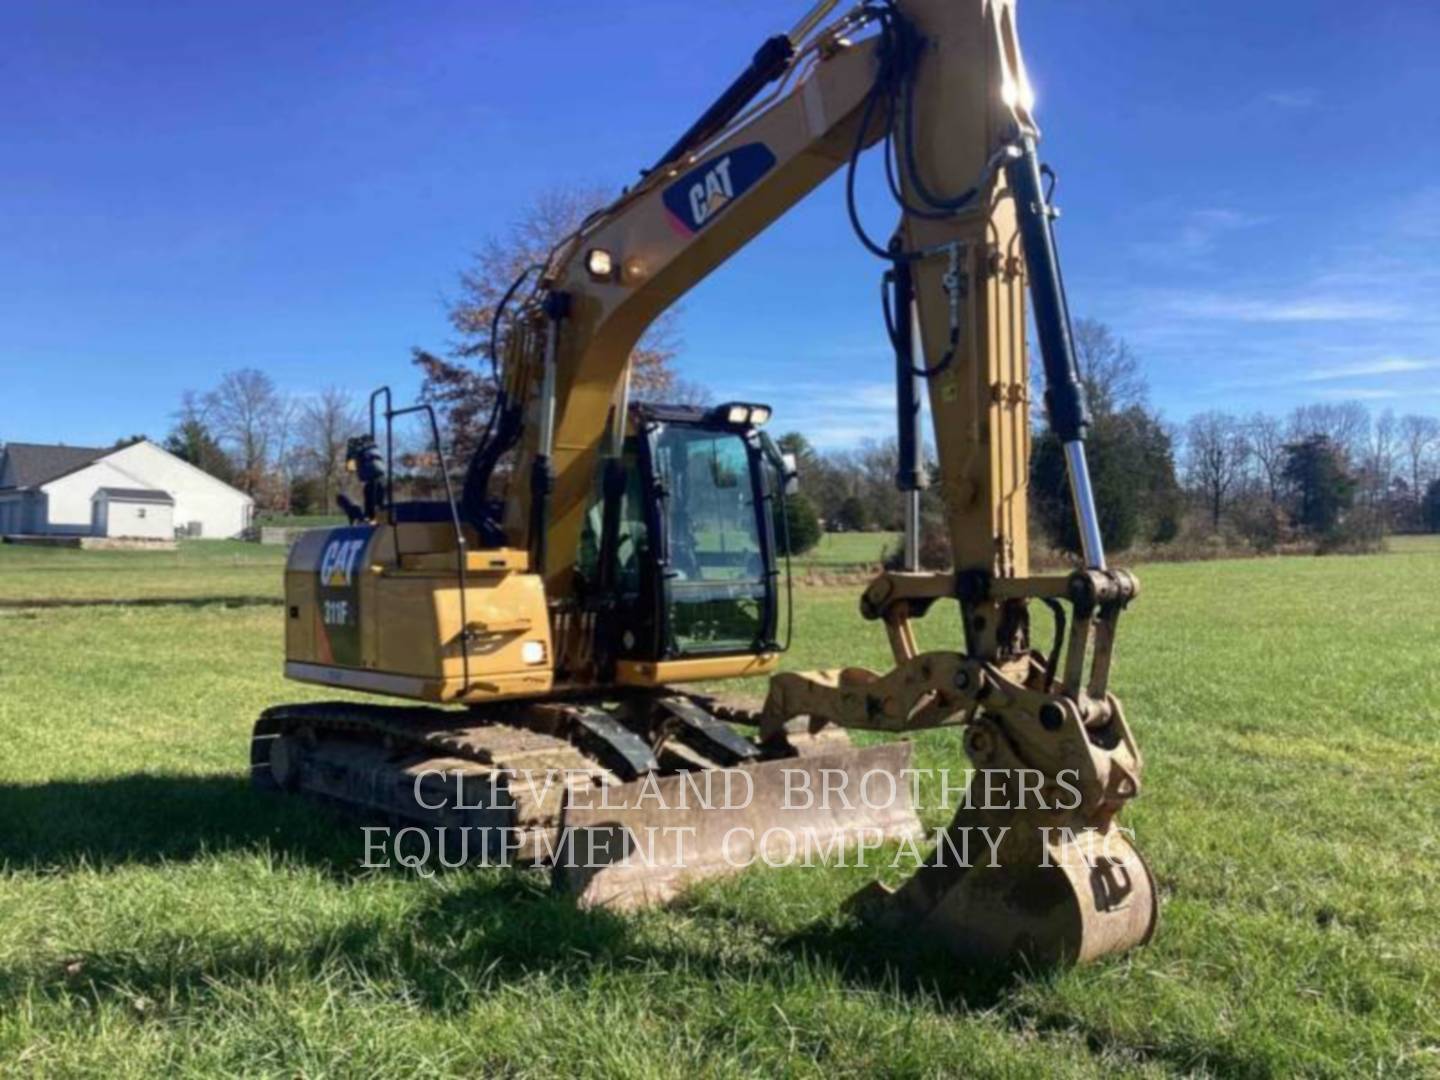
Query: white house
[[140, 490]]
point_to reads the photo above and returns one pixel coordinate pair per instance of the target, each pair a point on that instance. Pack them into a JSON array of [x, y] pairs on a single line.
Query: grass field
[[157, 917], [846, 551], [301, 521]]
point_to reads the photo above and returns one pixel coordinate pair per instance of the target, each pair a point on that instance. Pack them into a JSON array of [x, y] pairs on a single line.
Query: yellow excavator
[[565, 612]]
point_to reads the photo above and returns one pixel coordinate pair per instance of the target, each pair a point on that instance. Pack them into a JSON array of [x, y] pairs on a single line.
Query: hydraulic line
[[899, 57]]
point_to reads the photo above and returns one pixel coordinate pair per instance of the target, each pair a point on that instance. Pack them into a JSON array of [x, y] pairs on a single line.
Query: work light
[[600, 263]]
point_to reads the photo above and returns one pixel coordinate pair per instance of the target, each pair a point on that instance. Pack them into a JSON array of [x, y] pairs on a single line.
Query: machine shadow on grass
[[147, 818], [480, 925]]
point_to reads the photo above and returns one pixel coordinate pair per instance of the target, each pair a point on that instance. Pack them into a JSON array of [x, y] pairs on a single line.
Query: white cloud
[[1198, 234], [1290, 309], [1358, 393], [1343, 314], [1361, 369], [1392, 365], [1299, 98], [832, 416]]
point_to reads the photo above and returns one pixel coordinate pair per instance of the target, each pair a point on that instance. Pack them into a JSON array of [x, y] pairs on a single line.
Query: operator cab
[[678, 551]]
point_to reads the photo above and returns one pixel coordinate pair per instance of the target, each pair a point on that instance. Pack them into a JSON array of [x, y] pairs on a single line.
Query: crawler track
[[539, 781]]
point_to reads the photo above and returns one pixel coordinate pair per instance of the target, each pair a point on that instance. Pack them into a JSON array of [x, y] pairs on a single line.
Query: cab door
[[616, 569], [716, 562]]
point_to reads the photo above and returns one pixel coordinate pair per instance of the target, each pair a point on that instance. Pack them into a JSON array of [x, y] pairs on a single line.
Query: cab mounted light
[[600, 264], [742, 414]]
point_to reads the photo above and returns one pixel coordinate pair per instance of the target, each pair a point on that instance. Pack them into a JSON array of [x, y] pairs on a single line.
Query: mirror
[[790, 472]]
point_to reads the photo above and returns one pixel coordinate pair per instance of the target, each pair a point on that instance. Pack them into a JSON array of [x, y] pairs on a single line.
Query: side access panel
[[361, 615]]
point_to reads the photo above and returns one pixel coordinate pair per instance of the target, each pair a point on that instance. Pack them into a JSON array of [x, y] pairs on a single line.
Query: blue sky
[[1250, 192]]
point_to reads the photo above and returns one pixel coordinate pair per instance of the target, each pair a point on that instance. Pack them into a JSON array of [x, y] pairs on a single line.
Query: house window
[[140, 512]]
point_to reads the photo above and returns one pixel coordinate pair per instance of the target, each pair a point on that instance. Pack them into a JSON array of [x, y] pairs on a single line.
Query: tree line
[[287, 452], [1335, 472], [1328, 476]]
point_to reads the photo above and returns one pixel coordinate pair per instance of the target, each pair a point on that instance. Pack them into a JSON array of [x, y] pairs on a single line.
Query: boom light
[[600, 263]]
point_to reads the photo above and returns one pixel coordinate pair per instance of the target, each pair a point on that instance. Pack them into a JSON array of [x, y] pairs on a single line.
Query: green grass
[[301, 521], [156, 917], [1413, 545], [215, 569], [846, 551]]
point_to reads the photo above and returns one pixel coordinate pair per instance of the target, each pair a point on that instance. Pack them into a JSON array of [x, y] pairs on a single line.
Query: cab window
[[715, 587]]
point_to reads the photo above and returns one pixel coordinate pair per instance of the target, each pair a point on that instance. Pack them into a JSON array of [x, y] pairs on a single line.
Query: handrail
[[460, 550]]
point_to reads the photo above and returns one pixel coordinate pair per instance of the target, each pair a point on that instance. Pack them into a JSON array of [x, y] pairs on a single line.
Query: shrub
[[1260, 523], [935, 551], [1432, 506], [1132, 473], [852, 515], [1357, 533], [801, 526]]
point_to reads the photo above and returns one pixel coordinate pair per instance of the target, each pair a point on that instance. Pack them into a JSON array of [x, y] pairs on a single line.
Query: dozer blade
[[1086, 895], [650, 839]]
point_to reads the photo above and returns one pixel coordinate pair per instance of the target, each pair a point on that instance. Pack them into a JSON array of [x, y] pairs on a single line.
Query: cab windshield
[[715, 590]]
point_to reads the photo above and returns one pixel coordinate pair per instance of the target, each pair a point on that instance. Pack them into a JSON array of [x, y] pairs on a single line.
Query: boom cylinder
[[768, 64]]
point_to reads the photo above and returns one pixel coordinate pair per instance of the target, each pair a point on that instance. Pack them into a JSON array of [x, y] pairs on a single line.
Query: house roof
[[33, 464], [144, 495]]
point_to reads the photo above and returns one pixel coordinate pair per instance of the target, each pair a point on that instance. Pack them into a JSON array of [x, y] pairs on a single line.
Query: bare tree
[[460, 385], [1419, 438], [1346, 424], [1379, 466], [284, 460], [679, 392], [1216, 454], [250, 418], [1109, 370], [1265, 436], [192, 408], [326, 423]]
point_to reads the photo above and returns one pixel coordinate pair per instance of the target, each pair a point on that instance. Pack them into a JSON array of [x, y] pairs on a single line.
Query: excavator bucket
[[1087, 895], [650, 839], [1034, 868]]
